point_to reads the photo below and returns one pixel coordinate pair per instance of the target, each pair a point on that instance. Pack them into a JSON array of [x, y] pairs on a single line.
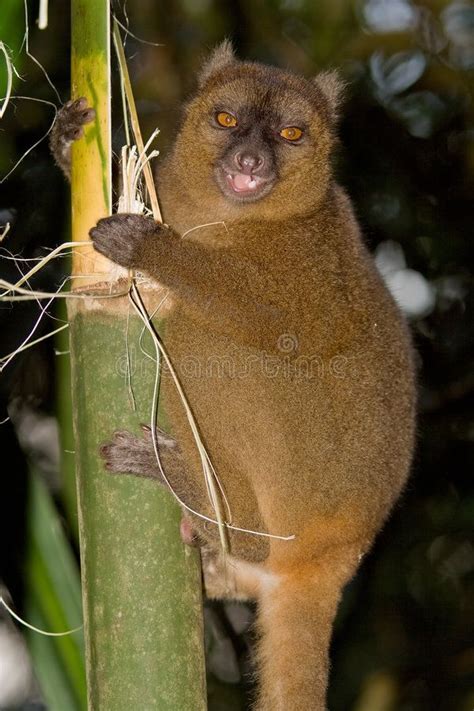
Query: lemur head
[[255, 135]]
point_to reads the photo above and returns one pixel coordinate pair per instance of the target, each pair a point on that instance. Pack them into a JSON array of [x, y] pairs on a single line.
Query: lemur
[[309, 420]]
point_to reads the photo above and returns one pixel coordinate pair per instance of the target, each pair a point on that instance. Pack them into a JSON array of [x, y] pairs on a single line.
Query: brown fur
[[294, 357]]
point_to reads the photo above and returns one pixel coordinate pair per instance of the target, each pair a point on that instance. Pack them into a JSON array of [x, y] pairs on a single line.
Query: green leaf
[[53, 603]]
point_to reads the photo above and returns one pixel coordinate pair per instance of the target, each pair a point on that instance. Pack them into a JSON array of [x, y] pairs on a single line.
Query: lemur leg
[[127, 453], [69, 127]]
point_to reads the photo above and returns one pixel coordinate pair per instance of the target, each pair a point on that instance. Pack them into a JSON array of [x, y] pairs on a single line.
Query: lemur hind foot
[[127, 453]]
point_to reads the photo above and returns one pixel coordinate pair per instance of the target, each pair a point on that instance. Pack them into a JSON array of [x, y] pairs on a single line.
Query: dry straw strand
[[37, 629], [9, 66], [25, 42]]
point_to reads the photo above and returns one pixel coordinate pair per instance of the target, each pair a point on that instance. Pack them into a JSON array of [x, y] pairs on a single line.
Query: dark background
[[404, 637]]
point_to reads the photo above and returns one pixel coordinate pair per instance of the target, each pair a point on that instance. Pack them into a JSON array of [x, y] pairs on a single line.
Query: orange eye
[[226, 120], [292, 133]]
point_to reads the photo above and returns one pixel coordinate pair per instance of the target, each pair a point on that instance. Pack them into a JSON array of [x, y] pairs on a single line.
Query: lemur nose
[[248, 162]]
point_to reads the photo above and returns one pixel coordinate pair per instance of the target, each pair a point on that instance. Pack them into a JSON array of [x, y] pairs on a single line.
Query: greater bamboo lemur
[[295, 359]]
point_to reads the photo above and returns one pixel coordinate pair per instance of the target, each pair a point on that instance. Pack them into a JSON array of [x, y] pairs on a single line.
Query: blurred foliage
[[404, 639], [53, 602]]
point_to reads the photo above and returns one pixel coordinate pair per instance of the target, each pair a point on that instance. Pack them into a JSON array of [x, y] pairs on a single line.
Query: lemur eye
[[226, 120], [291, 133]]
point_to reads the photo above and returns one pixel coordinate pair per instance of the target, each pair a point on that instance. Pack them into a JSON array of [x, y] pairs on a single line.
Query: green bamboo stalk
[[141, 585], [66, 434]]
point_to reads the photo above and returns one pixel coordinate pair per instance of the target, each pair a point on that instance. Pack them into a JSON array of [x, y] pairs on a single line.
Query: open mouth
[[243, 187], [242, 183]]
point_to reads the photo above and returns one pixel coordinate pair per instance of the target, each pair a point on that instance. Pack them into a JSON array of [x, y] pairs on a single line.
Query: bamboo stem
[[141, 586], [155, 207], [91, 157]]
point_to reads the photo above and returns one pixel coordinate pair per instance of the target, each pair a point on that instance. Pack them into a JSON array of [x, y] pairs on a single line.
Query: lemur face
[[257, 133]]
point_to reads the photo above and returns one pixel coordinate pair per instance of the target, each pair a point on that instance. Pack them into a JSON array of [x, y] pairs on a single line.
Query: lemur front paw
[[121, 238], [69, 127]]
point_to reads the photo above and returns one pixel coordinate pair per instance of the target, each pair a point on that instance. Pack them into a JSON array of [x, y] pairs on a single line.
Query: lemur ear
[[333, 89], [222, 55]]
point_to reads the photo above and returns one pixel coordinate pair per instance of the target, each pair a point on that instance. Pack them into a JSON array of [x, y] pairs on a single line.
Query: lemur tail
[[295, 622]]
